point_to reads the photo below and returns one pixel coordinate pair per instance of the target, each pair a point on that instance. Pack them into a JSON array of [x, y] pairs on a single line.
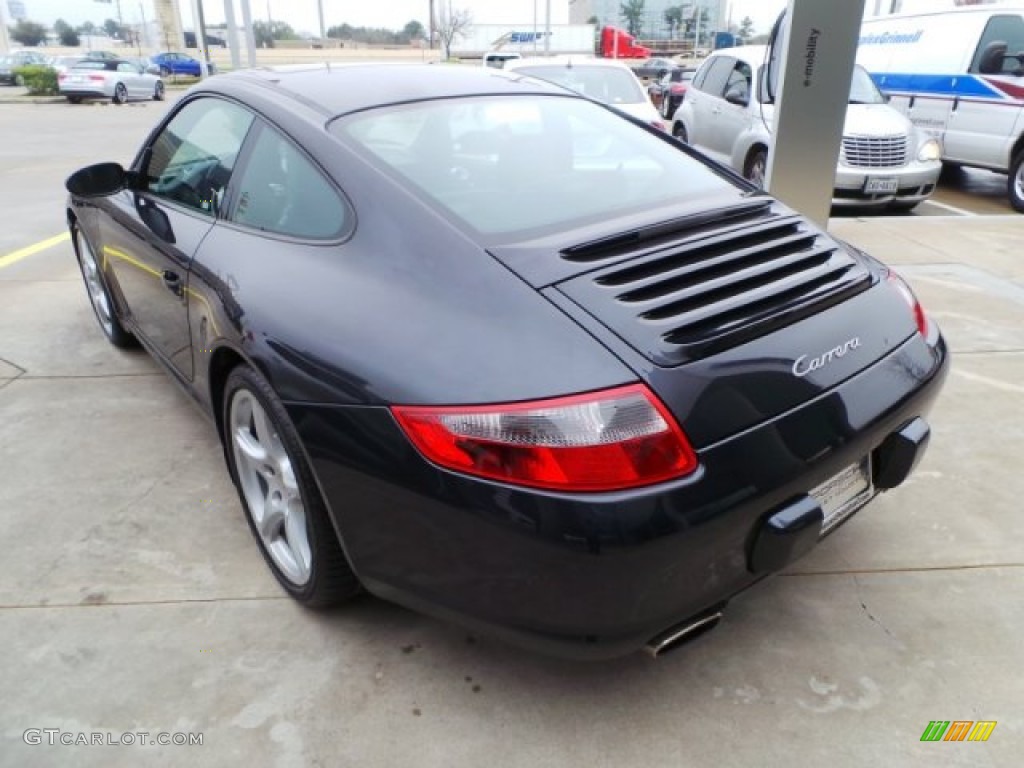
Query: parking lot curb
[[31, 99]]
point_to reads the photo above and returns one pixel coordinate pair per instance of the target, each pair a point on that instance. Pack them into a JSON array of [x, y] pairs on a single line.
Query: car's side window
[[716, 78], [702, 72], [280, 191], [192, 157], [1002, 29], [739, 81], [124, 66]]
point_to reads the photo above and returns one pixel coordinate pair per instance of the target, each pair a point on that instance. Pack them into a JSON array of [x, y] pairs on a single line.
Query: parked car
[[7, 66], [118, 81], [102, 56], [668, 93], [146, 63], [655, 68], [606, 80], [591, 388], [12, 61], [212, 41], [171, 63], [884, 161]]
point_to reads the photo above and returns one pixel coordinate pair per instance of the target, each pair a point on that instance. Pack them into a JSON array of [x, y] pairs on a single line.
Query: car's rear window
[[90, 64], [610, 85], [515, 164]]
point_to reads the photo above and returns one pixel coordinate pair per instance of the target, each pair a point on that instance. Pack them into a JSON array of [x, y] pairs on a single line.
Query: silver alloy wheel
[[120, 94], [270, 488], [94, 284], [1018, 182]]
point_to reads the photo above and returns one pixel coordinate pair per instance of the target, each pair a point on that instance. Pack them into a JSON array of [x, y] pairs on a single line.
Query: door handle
[[172, 282]]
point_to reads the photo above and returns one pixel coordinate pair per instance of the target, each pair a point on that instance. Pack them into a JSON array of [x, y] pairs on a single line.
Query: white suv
[[884, 160]]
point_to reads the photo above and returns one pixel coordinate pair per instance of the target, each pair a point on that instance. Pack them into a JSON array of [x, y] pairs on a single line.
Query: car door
[[733, 117], [707, 105], [128, 74], [980, 130], [154, 230]]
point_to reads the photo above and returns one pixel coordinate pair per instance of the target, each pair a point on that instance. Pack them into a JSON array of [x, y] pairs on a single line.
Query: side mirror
[[992, 58], [97, 180]]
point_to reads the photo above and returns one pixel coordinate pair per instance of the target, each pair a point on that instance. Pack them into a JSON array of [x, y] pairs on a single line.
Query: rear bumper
[[85, 93], [596, 576]]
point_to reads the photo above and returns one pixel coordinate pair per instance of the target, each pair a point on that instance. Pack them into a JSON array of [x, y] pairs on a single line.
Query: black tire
[[75, 99], [756, 167], [109, 322], [1015, 182], [120, 94], [680, 134], [158, 91], [331, 580], [666, 107]]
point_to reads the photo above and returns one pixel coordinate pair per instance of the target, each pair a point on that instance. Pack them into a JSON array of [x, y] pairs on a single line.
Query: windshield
[[610, 85], [527, 163], [863, 89]]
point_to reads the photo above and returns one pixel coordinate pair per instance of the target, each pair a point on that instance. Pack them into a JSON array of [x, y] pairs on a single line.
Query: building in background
[[653, 25]]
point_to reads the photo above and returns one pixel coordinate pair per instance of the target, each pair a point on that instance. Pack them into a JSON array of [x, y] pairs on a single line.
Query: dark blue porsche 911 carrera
[[488, 349]]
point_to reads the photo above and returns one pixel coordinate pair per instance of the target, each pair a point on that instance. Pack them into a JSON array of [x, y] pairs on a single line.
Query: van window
[[1002, 29]]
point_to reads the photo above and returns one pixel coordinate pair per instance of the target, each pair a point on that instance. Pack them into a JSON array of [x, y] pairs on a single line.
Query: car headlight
[[930, 150]]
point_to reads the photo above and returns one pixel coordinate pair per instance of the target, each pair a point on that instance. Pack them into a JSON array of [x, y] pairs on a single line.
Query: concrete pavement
[[132, 597]]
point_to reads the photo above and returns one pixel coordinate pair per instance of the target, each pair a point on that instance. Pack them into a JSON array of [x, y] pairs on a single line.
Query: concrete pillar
[[232, 33]]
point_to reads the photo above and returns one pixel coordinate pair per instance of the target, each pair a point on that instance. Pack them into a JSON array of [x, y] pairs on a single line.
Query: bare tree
[[451, 24]]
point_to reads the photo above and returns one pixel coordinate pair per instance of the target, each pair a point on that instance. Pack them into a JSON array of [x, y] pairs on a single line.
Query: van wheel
[[756, 168], [1015, 182]]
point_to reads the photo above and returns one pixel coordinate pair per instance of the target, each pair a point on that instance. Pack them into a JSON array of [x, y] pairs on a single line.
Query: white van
[[960, 75]]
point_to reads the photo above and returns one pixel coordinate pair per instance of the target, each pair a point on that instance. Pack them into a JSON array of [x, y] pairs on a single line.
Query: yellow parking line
[[31, 250]]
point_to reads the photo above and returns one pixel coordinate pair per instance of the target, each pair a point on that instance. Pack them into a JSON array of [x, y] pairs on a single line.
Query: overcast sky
[[302, 15]]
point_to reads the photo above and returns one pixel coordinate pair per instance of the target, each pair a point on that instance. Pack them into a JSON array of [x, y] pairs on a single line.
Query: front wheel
[[99, 295], [679, 131], [158, 91], [756, 168], [120, 94], [1015, 182], [282, 502]]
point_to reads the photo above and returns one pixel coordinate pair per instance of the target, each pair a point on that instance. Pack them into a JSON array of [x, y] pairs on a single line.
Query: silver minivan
[[884, 160]]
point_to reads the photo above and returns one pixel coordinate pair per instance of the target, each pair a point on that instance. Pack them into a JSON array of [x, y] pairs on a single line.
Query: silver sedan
[[116, 80]]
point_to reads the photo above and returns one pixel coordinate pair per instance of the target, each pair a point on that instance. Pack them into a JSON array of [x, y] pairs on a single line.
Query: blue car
[[179, 64]]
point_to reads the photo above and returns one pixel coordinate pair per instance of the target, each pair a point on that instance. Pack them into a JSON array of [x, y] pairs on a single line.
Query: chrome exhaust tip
[[683, 633]]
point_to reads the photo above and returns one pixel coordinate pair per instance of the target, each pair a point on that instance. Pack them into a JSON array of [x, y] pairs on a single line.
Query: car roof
[[333, 90]]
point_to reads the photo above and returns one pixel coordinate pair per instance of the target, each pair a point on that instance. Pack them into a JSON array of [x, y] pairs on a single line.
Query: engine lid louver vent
[[716, 284]]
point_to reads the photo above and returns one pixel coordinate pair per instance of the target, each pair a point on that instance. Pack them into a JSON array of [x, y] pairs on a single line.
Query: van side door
[[982, 121]]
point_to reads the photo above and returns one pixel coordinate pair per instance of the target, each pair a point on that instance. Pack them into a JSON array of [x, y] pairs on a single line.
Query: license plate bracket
[[844, 493]]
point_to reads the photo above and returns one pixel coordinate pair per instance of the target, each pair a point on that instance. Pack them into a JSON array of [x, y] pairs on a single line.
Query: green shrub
[[40, 80]]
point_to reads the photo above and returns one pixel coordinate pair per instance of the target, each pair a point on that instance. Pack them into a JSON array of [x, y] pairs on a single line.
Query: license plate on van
[[843, 494], [881, 185]]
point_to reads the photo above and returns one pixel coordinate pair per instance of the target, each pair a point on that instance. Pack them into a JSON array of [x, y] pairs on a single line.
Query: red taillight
[[96, 78], [915, 306], [61, 76], [602, 441]]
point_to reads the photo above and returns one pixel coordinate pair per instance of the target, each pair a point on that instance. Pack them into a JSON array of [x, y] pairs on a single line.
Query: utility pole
[[547, 28], [430, 22], [5, 44], [232, 33], [250, 36], [320, 10], [197, 18]]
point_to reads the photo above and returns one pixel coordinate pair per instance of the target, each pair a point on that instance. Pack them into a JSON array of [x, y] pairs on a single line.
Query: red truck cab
[[619, 44]]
